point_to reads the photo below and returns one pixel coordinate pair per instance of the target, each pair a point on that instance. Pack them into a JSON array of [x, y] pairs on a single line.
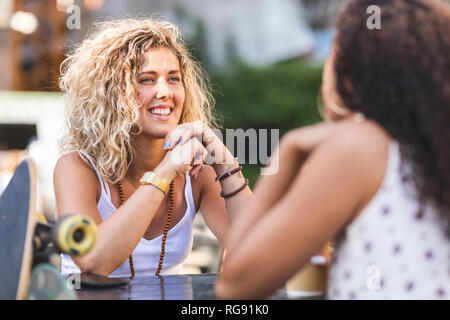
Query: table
[[166, 287]]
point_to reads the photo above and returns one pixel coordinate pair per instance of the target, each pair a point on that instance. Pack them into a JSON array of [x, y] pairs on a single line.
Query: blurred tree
[[281, 96], [278, 96], [197, 44]]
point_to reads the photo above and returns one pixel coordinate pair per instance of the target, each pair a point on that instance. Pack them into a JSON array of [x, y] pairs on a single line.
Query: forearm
[[119, 235], [268, 191], [232, 184]]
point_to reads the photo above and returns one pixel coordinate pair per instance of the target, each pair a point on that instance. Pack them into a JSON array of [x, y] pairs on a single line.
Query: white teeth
[[160, 111]]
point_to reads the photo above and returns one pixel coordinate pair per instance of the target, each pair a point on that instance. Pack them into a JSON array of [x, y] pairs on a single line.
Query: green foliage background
[[281, 96]]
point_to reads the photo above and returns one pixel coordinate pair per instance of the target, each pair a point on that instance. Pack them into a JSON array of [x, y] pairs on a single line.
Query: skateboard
[[28, 241]]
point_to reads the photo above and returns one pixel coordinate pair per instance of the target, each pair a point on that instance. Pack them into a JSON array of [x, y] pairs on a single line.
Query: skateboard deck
[[27, 243], [17, 221]]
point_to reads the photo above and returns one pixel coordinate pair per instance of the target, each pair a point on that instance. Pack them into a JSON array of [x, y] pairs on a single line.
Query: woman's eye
[[146, 80], [175, 79]]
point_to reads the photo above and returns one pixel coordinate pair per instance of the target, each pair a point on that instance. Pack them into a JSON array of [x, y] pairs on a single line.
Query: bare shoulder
[[71, 158], [71, 164], [361, 151], [204, 181], [205, 189], [365, 141], [75, 184], [206, 177]]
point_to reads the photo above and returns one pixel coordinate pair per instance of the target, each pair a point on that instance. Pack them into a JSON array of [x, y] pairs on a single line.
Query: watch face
[[148, 176], [144, 177]]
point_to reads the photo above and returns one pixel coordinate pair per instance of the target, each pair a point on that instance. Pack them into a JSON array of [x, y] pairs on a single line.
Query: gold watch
[[152, 178]]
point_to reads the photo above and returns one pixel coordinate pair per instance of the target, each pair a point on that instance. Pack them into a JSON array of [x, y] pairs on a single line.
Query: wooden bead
[[166, 229]]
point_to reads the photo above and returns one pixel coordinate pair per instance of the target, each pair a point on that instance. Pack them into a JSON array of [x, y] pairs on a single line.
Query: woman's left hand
[[218, 154]]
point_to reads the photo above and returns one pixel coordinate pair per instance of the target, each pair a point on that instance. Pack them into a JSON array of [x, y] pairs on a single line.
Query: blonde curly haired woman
[[138, 137]]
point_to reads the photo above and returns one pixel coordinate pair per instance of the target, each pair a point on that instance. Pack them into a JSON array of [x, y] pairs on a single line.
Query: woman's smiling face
[[161, 92]]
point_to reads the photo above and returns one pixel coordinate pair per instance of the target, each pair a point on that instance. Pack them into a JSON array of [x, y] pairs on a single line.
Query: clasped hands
[[192, 144]]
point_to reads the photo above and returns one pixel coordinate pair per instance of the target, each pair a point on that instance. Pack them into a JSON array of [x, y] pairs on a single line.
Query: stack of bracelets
[[228, 174]]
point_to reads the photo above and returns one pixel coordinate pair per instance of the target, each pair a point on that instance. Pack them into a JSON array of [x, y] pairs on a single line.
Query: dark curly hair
[[399, 76]]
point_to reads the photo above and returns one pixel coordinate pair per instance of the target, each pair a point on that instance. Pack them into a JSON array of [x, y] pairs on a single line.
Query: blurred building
[[320, 16], [35, 34], [32, 34], [30, 123], [256, 31]]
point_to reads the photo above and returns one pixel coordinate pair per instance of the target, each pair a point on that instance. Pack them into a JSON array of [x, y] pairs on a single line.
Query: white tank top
[[394, 249], [146, 254]]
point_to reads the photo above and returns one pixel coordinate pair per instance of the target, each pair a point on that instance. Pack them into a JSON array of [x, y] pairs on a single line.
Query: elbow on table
[[89, 264], [236, 291], [245, 282], [224, 290], [231, 287]]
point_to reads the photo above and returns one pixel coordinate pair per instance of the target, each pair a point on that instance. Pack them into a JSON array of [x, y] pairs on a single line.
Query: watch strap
[[152, 178]]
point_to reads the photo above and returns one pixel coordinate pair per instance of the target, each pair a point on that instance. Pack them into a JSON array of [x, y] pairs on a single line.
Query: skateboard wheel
[[75, 234], [47, 283]]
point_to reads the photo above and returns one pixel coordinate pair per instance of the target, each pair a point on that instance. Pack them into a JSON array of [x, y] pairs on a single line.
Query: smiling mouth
[[161, 111]]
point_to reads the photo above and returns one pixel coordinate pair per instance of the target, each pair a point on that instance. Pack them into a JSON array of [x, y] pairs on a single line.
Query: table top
[[165, 287]]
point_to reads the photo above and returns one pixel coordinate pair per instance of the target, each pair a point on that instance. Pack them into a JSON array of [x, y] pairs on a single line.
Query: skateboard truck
[[71, 234]]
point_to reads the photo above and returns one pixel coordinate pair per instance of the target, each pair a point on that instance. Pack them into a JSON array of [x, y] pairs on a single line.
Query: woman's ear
[[333, 108]]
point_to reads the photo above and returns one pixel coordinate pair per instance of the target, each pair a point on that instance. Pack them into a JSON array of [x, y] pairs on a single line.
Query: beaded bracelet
[[234, 192], [227, 174]]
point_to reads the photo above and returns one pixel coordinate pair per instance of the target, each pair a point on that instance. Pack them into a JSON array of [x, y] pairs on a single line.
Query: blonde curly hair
[[99, 79]]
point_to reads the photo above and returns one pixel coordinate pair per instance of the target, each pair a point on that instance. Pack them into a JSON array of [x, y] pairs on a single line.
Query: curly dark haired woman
[[376, 178]]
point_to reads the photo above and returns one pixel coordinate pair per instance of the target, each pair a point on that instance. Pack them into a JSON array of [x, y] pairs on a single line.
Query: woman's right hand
[[181, 159]]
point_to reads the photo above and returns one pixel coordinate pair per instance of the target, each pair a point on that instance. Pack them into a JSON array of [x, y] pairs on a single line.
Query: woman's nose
[[163, 90]]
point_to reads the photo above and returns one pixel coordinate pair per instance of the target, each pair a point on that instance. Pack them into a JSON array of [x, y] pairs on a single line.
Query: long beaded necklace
[[166, 227]]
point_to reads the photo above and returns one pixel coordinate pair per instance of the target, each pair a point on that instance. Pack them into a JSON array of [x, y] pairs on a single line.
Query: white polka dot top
[[394, 249]]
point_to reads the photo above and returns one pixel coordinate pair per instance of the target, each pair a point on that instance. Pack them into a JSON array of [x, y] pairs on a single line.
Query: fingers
[[189, 156], [185, 169], [198, 162], [195, 171], [183, 133]]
